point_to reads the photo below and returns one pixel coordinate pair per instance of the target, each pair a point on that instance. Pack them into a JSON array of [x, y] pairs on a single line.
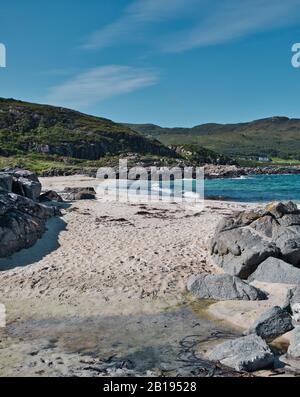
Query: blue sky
[[168, 62]]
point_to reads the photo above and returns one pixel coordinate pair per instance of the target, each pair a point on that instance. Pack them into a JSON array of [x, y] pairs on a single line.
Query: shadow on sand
[[44, 246]]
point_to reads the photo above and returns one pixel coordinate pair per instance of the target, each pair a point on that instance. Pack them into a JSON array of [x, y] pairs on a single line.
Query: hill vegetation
[[276, 137], [42, 137]]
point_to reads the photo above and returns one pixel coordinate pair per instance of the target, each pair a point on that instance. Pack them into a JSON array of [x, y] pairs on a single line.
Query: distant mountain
[[275, 136], [27, 128]]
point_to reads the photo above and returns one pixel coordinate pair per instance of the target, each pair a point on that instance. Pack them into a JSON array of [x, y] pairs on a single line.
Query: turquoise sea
[[256, 188]]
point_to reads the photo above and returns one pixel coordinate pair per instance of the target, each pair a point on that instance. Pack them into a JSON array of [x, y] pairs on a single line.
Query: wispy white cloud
[[209, 22], [231, 20], [138, 15], [97, 84]]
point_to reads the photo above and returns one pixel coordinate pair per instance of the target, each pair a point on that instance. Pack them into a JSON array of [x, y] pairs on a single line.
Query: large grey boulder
[[274, 270], [248, 353], [271, 324], [246, 239], [294, 347], [223, 287]]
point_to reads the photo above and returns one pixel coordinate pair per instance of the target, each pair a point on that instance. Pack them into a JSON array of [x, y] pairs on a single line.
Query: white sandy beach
[[110, 259], [113, 252]]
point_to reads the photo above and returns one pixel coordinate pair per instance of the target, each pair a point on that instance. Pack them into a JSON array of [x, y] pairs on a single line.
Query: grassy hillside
[[40, 137], [27, 128], [275, 137]]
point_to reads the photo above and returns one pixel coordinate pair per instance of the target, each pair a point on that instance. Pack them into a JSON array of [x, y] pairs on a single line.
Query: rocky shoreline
[[211, 171], [249, 246], [233, 171], [127, 272]]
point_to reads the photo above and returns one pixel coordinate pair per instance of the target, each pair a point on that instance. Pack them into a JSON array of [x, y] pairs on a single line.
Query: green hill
[[42, 136], [274, 137]]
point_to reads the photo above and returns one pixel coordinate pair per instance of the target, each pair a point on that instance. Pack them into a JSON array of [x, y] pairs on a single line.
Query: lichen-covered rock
[[246, 239], [223, 287], [271, 324], [248, 353]]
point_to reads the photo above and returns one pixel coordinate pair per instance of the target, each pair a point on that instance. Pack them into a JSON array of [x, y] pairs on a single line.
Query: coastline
[[117, 261], [211, 171], [117, 265]]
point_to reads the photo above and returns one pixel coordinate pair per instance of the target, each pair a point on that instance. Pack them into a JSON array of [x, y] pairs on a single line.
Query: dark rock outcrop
[[22, 222], [246, 239], [6, 182], [248, 353], [223, 287], [22, 218], [50, 195], [22, 182]]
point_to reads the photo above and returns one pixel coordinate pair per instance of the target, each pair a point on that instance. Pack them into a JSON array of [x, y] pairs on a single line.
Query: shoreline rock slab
[[274, 270], [243, 314], [248, 353], [271, 324], [223, 287]]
